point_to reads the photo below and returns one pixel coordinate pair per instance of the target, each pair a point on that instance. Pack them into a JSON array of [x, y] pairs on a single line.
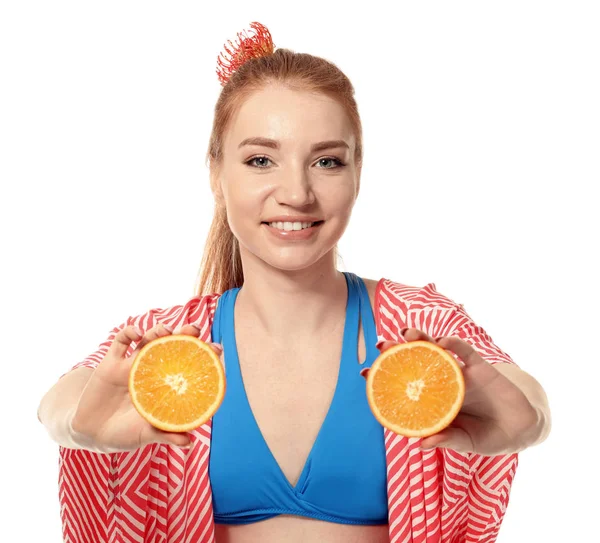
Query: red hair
[[246, 67]]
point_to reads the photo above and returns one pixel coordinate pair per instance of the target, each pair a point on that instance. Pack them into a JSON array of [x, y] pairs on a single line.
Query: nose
[[294, 188]]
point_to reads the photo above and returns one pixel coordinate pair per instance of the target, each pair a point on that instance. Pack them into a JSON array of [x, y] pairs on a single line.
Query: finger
[[414, 334], [384, 345], [453, 438], [467, 354], [193, 330], [408, 334], [170, 438], [217, 347], [123, 340], [160, 330], [188, 330]]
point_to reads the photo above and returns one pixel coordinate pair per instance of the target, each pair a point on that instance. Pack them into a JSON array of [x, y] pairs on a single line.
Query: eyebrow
[[273, 144]]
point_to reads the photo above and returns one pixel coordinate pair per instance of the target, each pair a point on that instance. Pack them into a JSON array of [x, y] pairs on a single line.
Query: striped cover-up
[[161, 493]]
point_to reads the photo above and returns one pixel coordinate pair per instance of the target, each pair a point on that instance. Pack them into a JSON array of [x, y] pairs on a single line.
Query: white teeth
[[289, 226]]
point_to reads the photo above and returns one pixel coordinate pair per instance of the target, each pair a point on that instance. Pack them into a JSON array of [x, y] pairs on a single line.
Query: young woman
[[294, 453]]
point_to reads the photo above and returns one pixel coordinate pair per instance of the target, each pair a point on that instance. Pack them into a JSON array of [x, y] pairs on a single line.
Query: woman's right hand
[[105, 420]]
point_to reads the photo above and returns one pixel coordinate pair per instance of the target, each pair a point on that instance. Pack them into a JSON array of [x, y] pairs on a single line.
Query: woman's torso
[[290, 402]]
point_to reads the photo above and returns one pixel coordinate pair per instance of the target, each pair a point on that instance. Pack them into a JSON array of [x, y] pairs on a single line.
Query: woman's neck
[[292, 304]]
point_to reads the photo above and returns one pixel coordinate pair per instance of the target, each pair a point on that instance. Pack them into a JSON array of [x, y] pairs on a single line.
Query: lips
[[294, 235]]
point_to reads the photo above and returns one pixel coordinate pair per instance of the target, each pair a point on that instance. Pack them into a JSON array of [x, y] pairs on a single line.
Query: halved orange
[[415, 389], [177, 382]]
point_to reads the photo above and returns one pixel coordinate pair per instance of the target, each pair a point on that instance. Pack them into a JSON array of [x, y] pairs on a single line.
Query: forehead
[[288, 115]]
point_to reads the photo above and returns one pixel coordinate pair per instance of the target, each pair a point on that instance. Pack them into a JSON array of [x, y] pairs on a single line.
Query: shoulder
[[371, 285], [399, 305], [415, 297], [198, 310]]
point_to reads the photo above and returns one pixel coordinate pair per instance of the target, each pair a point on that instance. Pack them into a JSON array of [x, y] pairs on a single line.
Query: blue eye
[[255, 161], [326, 163], [336, 162]]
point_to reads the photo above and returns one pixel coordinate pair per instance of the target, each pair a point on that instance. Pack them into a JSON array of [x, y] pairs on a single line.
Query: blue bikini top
[[344, 477]]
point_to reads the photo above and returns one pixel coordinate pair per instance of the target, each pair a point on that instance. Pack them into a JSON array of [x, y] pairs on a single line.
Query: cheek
[[248, 202], [241, 193], [336, 198], [244, 200]]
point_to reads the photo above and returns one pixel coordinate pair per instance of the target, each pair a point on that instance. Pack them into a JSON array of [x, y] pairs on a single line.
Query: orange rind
[[415, 389], [177, 383]]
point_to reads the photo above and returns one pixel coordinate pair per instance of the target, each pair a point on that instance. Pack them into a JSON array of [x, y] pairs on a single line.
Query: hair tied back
[[258, 44]]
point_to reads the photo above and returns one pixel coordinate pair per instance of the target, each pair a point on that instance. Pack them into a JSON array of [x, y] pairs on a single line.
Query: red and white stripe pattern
[[440, 495], [161, 494]]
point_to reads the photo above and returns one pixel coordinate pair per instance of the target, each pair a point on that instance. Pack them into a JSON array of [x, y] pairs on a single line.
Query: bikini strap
[[217, 326], [368, 321]]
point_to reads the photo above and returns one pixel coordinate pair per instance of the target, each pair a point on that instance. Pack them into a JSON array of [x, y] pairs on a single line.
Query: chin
[[288, 258]]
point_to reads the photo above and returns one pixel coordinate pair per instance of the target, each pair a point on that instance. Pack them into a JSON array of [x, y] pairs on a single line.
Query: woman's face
[[288, 155]]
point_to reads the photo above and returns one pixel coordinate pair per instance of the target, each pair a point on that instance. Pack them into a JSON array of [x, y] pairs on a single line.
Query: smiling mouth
[[292, 226]]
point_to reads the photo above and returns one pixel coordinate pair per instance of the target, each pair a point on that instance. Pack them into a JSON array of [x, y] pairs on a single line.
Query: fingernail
[[403, 331], [364, 372], [380, 343]]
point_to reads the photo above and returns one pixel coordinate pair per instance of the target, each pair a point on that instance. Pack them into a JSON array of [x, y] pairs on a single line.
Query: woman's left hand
[[496, 417]]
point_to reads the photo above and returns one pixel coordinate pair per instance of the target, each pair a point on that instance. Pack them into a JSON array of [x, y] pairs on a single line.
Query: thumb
[[171, 438], [453, 438]]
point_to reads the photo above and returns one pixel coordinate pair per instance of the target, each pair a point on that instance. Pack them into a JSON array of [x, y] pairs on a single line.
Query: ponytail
[[221, 267]]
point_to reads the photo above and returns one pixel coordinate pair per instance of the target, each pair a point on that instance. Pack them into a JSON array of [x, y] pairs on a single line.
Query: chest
[[290, 389]]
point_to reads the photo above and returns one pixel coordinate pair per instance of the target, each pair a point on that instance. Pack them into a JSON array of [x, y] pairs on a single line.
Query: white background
[[482, 139]]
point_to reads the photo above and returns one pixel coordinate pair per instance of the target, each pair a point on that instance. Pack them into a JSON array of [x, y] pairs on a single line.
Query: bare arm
[[59, 403], [91, 409], [505, 409], [536, 396]]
